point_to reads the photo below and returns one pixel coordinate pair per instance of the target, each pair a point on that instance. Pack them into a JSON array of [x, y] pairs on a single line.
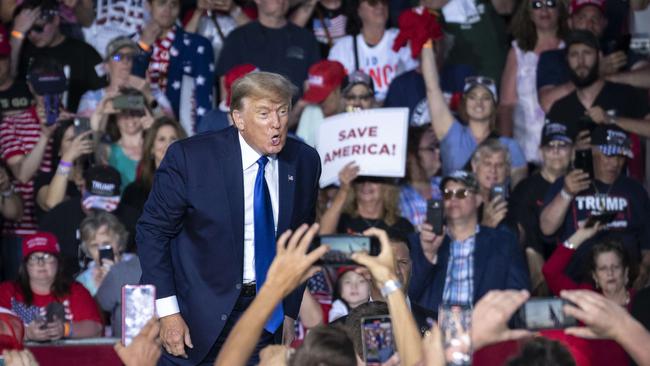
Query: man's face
[[263, 123], [165, 12], [43, 32], [607, 168], [460, 206], [589, 18], [583, 64], [359, 97], [556, 156], [491, 169], [275, 8], [403, 261]]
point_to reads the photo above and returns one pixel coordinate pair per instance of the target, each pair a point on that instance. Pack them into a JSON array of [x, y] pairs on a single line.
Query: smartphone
[[603, 218], [435, 215], [455, 322], [378, 341], [584, 161], [106, 252], [499, 190], [640, 43], [343, 246], [81, 125], [138, 306], [52, 103], [53, 311], [129, 102], [543, 313]]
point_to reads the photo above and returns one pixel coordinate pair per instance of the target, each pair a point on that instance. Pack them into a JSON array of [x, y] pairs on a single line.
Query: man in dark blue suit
[[469, 260], [207, 233]]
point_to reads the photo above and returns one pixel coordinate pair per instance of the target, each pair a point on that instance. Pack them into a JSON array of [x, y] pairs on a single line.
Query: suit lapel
[[287, 187], [481, 253], [233, 178]]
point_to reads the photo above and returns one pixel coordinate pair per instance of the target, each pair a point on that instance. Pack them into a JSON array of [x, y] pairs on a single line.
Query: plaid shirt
[[459, 283], [413, 206]]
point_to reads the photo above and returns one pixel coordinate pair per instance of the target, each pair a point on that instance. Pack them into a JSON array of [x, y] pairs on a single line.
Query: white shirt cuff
[[167, 306]]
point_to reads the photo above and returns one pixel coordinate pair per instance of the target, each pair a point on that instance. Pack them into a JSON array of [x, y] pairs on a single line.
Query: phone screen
[[544, 313], [343, 246], [138, 306], [498, 190], [378, 341]]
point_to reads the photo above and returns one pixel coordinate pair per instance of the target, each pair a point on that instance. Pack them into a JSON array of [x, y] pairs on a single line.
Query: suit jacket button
[[238, 286], [224, 317]]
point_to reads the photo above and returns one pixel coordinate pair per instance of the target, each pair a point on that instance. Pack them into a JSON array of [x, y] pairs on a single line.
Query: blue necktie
[[264, 238]]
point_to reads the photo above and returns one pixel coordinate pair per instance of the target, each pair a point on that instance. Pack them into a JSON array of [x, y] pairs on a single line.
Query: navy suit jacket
[[498, 265], [190, 236]]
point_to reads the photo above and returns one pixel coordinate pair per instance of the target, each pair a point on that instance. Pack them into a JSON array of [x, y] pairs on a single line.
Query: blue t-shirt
[[458, 145], [627, 198]]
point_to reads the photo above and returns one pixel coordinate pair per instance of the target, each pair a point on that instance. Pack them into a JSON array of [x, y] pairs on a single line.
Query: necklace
[[601, 197]]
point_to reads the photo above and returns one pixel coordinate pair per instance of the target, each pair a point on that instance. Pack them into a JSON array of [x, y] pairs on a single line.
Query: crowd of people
[[125, 124]]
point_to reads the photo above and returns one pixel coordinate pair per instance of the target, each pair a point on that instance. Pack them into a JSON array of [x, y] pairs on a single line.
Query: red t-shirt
[[19, 133], [78, 304]]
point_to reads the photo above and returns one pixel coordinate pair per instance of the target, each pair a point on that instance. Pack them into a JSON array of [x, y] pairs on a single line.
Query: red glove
[[417, 26]]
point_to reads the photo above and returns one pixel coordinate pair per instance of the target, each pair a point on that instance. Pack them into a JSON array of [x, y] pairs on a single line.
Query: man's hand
[[144, 350], [175, 335], [597, 114], [430, 242], [25, 20], [491, 315], [19, 358], [576, 181], [273, 355], [348, 174], [382, 267], [494, 212], [293, 265], [603, 318], [612, 63], [434, 353]]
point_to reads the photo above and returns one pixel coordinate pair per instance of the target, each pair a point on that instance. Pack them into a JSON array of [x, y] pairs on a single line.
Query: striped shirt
[[413, 206], [19, 133], [459, 282]]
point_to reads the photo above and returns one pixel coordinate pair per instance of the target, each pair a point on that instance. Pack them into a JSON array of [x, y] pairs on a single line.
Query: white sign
[[374, 139]]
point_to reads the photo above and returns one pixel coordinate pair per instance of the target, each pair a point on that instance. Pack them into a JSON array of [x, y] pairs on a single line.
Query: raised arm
[[441, 117], [330, 219], [508, 97]]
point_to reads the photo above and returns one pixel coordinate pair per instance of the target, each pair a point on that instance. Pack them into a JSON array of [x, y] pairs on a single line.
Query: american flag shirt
[[459, 282]]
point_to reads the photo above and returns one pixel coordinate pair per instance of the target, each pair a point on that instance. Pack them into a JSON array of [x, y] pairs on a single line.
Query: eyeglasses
[[358, 98], [45, 258], [557, 145], [458, 193], [538, 4], [118, 57]]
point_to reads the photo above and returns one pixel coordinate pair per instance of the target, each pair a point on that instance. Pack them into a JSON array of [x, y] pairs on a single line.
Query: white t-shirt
[[380, 61]]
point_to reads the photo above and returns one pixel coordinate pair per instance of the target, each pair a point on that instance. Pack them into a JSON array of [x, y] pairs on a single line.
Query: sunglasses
[[119, 57], [458, 193], [37, 28], [538, 4]]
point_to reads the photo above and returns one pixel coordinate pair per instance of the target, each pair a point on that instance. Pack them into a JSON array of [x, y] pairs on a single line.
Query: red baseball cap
[[233, 74], [323, 77], [5, 45], [40, 242], [576, 5]]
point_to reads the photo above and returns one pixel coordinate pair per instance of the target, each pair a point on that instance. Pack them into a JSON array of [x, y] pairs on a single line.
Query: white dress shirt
[[169, 305]]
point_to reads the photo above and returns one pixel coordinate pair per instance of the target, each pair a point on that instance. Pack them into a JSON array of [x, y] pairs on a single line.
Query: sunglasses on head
[[480, 80], [458, 193], [538, 4]]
